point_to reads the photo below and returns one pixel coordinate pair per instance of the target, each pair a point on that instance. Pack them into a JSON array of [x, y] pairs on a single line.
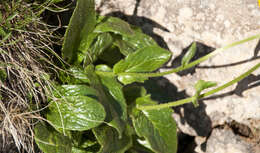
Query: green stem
[[181, 68], [188, 100]]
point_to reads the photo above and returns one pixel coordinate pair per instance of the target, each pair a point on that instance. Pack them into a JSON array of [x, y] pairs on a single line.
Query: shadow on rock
[[254, 57]]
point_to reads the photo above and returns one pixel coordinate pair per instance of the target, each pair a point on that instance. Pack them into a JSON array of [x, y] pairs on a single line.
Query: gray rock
[[225, 141]]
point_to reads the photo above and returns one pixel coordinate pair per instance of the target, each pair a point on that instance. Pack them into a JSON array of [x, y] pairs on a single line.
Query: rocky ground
[[228, 122]]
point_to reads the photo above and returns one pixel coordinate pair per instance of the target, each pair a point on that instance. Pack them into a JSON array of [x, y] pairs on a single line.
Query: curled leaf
[[200, 86], [189, 55]]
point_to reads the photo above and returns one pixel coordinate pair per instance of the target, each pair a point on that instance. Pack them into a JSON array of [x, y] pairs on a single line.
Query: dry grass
[[25, 67]]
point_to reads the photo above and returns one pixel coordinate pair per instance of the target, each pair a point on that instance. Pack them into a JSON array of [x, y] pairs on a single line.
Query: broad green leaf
[[76, 113], [109, 139], [157, 127], [115, 25], [51, 141], [189, 55], [200, 86], [143, 60], [110, 94], [129, 44], [140, 40], [76, 90], [82, 23], [146, 59]]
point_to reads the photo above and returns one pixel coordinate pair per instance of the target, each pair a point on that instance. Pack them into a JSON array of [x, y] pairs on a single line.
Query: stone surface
[[175, 24], [225, 141]]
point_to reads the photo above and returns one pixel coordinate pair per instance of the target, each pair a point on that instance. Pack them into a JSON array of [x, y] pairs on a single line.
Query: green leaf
[[189, 55], [143, 60], [76, 90], [11, 17], [6, 37], [104, 68], [124, 46], [76, 113], [109, 139], [79, 74], [146, 59], [51, 141], [3, 75], [115, 25], [78, 150], [82, 23], [157, 127], [200, 86], [128, 79], [2, 32], [1, 17], [103, 41], [129, 44], [110, 94]]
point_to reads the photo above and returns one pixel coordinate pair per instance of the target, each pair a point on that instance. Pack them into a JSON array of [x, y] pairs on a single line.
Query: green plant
[[99, 107]]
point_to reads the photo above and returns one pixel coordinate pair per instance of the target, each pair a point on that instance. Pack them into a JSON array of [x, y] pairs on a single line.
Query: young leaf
[[50, 141], [146, 59], [76, 113], [115, 25], [200, 86], [110, 94], [82, 23], [109, 139], [157, 127], [189, 55]]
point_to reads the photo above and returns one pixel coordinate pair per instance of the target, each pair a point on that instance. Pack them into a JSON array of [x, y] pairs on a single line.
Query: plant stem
[[181, 68], [188, 100]]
